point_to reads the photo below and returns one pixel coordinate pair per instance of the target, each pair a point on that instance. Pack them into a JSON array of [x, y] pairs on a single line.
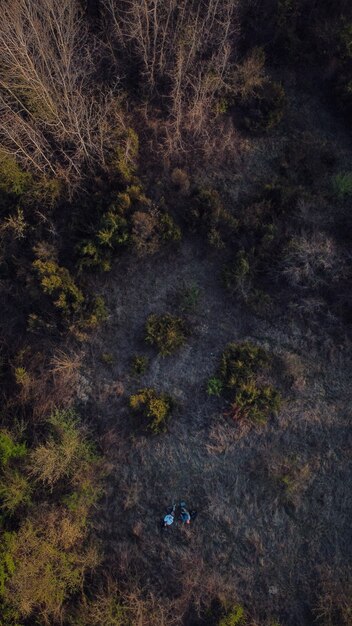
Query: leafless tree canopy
[[55, 117], [51, 118], [184, 44]]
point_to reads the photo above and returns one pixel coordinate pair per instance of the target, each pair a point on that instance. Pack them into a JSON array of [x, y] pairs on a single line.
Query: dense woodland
[[175, 267]]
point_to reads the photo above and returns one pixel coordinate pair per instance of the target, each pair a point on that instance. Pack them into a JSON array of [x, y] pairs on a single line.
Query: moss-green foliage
[[57, 282], [112, 233], [167, 332], [236, 378], [240, 362], [237, 274], [208, 215], [154, 408], [342, 185], [9, 449], [169, 231], [44, 555], [235, 617], [214, 386], [7, 566], [65, 454], [189, 297], [15, 491], [125, 160], [12, 178], [255, 403], [139, 364], [96, 314], [130, 219], [151, 228], [46, 565]]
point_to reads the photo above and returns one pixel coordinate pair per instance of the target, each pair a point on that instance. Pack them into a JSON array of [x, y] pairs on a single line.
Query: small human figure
[[169, 518], [185, 516]]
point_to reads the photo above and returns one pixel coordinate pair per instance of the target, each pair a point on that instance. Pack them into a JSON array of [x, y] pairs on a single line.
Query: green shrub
[[151, 228], [255, 403], [239, 363], [208, 215], [112, 234], [7, 565], [236, 378], [66, 453], [15, 491], [45, 564], [21, 376], [126, 166], [139, 365], [166, 332], [97, 313], [237, 275], [107, 358], [58, 282], [236, 617], [154, 408], [16, 223], [9, 449], [168, 230], [214, 386], [189, 297], [12, 178], [342, 185]]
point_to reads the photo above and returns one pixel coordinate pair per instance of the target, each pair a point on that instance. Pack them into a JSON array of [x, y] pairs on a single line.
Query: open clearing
[[274, 503]]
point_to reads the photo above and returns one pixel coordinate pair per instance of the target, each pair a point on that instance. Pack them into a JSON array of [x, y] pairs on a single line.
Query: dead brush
[[334, 604]]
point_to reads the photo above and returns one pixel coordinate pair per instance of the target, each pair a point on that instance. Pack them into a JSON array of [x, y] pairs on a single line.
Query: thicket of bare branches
[[52, 119], [182, 48]]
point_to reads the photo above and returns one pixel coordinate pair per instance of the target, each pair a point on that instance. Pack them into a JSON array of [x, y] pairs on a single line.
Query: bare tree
[[185, 44], [52, 119]]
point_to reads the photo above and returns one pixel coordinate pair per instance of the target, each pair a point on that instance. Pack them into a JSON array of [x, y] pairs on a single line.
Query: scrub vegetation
[[175, 278]]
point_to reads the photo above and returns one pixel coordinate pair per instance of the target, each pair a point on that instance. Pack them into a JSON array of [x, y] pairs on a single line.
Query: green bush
[[254, 403], [139, 365], [15, 491], [96, 314], [154, 408], [12, 178], [214, 386], [235, 617], [166, 332], [342, 185], [9, 449], [237, 275], [239, 363], [169, 231], [188, 298], [151, 228], [112, 234], [209, 216], [44, 564], [236, 379], [66, 453], [58, 282]]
